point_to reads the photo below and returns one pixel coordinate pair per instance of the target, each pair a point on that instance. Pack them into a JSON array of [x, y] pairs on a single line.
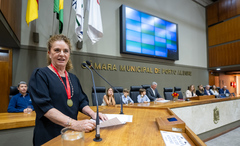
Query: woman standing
[[57, 95]]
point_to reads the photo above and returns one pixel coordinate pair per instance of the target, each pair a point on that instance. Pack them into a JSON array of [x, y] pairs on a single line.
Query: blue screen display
[[145, 34]]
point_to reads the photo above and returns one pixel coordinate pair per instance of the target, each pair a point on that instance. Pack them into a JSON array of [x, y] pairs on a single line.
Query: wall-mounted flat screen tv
[[147, 35]]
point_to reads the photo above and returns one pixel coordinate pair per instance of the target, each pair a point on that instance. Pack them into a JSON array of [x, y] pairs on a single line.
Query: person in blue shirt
[[142, 98], [21, 102], [125, 98], [224, 92], [207, 90]]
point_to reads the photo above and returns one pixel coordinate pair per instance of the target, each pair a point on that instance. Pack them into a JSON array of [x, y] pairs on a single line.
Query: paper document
[[122, 118], [174, 139], [111, 122], [162, 101], [115, 119]]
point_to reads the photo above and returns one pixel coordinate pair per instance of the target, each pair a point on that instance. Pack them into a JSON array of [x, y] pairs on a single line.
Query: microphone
[[89, 64], [97, 136]]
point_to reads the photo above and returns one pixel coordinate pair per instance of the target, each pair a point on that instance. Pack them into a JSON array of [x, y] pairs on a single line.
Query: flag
[[58, 8], [95, 30], [78, 6], [32, 11]]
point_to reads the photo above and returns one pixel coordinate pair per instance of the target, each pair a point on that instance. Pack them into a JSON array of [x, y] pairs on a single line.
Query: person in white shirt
[[142, 97], [125, 98], [214, 90], [191, 91], [108, 99]]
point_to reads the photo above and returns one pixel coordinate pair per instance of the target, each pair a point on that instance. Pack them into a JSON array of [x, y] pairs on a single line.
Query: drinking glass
[[155, 101], [127, 102], [29, 110], [184, 96], [71, 137], [175, 98]]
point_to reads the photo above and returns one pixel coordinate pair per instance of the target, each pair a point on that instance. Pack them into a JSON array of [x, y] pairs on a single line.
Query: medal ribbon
[[67, 81]]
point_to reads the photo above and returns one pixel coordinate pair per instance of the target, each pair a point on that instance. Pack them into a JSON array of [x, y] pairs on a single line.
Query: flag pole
[[69, 17], [53, 24]]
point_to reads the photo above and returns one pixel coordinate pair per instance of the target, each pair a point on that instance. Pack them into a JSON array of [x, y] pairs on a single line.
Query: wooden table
[[142, 131], [179, 103], [20, 120], [16, 120]]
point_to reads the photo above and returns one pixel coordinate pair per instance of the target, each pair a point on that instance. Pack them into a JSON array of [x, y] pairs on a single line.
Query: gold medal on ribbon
[[70, 102]]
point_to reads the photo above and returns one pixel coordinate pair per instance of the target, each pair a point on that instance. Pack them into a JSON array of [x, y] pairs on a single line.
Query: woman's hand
[[84, 125], [102, 117]]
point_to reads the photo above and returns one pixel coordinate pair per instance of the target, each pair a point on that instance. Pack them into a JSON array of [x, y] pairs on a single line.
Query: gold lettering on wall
[[122, 67], [139, 69]]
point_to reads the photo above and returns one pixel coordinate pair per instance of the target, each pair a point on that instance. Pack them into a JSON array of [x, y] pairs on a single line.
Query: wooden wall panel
[[224, 55], [232, 8], [223, 9], [212, 14], [211, 79], [12, 10], [6, 74], [224, 32], [238, 6], [227, 9]]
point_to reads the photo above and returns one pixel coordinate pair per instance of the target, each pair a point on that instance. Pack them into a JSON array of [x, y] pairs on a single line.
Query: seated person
[[108, 99], [207, 90], [200, 91], [125, 98], [214, 90], [152, 92], [21, 102], [224, 92], [142, 98], [191, 91]]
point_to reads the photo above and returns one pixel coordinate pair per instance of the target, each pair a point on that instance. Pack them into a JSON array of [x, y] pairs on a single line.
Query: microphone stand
[[88, 63], [97, 136]]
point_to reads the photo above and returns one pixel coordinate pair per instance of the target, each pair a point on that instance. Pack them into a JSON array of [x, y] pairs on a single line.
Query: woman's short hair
[[59, 37]]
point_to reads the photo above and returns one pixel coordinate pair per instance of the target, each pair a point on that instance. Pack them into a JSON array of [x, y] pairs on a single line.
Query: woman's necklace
[[69, 101]]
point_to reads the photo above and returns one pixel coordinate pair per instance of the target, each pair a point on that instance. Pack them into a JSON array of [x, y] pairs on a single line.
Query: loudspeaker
[[79, 44], [35, 37]]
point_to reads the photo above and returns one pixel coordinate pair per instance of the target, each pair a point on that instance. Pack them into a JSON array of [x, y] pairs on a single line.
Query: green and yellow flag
[[58, 8]]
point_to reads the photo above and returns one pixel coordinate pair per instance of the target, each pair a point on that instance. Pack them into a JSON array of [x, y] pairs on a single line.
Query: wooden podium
[[171, 123], [143, 129], [202, 97]]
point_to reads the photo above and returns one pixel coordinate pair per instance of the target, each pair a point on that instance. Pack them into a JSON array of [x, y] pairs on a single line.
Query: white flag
[[78, 6], [95, 30]]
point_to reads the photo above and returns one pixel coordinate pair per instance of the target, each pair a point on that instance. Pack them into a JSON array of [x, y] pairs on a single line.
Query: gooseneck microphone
[[97, 136], [89, 64]]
